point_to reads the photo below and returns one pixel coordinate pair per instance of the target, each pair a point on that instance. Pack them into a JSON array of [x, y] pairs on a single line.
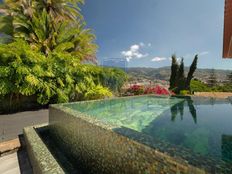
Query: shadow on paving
[[23, 159]]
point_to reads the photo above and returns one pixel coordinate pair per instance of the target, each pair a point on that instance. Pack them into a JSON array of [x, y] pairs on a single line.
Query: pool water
[[136, 113], [202, 126]]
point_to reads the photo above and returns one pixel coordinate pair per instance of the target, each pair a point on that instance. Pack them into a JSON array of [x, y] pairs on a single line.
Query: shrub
[[136, 90], [60, 77], [139, 90], [184, 92], [97, 92], [157, 90], [198, 86]]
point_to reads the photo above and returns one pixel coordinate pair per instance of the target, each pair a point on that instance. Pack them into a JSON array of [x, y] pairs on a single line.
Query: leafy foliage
[[97, 92], [48, 26], [54, 79], [198, 86], [44, 45]]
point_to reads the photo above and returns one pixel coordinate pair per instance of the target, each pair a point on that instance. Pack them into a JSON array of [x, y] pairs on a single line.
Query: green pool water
[[201, 126], [136, 113]]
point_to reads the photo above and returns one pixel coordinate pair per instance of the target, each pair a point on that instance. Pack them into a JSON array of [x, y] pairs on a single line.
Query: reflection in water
[[179, 109], [212, 101], [230, 99], [226, 147]]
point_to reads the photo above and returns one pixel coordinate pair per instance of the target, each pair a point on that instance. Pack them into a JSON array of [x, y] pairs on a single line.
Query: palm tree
[[49, 25], [61, 10]]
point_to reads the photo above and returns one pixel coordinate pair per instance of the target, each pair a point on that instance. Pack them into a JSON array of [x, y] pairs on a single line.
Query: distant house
[[227, 41], [115, 62]]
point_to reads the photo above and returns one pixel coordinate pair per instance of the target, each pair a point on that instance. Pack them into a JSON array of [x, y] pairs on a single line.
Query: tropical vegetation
[[48, 54]]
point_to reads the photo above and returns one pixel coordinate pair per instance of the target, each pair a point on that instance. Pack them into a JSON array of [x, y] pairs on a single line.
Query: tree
[[174, 72], [192, 69], [212, 80], [181, 77], [49, 26], [47, 41], [178, 81]]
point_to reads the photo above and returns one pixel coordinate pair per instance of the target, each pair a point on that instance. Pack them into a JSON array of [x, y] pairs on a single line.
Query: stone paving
[[15, 159], [12, 125], [9, 146], [213, 94], [15, 163]]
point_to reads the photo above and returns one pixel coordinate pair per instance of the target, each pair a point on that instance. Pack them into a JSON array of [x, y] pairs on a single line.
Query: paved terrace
[[13, 155], [12, 125]]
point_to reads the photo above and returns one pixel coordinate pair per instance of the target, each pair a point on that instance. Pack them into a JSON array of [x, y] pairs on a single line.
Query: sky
[[147, 32]]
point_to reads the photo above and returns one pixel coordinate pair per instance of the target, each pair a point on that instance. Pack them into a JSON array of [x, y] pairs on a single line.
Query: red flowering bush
[[136, 90], [139, 90], [157, 90]]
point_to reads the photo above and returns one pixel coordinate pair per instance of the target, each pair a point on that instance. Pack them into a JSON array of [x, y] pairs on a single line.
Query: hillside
[[164, 74]]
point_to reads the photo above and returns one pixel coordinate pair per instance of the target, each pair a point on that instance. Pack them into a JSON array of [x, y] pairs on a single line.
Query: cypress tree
[[174, 71], [181, 77], [192, 69]]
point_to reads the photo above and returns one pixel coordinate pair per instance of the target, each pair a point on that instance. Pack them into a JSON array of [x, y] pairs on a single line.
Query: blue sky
[[148, 32]]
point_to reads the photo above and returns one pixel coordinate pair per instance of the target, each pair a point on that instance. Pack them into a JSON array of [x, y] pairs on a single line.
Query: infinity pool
[[198, 130]]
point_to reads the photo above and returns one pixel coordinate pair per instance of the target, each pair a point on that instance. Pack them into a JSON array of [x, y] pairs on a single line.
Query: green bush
[[198, 86], [97, 92], [184, 92], [222, 88], [60, 77]]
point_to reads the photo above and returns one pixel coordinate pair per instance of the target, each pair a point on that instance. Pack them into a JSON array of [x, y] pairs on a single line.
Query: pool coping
[[42, 161]]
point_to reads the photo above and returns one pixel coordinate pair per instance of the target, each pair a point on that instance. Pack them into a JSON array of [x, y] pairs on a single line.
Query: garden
[[48, 55]]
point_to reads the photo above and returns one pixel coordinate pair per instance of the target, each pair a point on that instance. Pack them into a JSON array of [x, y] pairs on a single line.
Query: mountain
[[140, 73]]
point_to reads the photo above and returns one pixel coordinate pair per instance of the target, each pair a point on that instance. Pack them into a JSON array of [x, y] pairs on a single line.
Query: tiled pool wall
[[42, 161], [99, 149]]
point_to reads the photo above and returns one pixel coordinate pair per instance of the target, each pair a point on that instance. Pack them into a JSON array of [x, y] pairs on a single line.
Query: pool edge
[[41, 159]]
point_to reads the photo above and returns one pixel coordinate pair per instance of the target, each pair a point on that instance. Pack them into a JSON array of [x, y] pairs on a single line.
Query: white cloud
[[149, 44], [158, 59], [203, 53], [134, 52]]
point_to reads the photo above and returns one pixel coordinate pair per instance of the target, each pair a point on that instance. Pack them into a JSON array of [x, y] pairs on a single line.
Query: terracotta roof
[[227, 43]]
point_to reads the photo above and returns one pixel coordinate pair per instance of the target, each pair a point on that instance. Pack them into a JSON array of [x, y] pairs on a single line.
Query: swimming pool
[[197, 131]]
